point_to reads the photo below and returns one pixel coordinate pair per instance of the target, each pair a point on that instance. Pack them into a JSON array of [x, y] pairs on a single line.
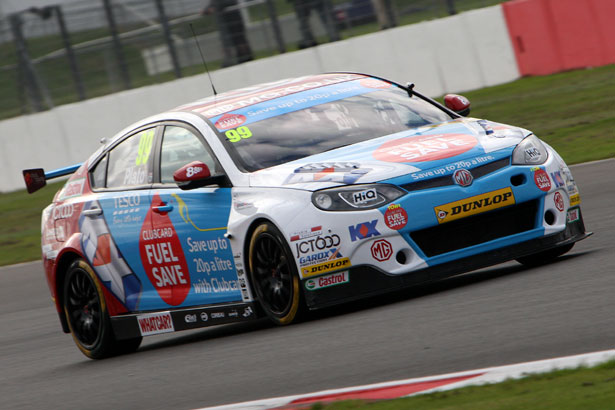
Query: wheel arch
[[246, 250], [64, 261]]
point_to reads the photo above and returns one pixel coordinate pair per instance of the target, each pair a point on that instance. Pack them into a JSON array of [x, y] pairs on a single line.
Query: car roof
[[226, 102]]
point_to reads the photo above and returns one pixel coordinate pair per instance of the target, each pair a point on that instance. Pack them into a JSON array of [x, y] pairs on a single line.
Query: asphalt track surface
[[497, 316]]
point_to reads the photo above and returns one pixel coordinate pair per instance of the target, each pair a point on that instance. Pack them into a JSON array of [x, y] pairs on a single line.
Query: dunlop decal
[[474, 205], [325, 267]]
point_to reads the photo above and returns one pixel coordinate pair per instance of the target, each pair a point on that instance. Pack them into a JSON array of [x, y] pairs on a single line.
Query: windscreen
[[318, 120]]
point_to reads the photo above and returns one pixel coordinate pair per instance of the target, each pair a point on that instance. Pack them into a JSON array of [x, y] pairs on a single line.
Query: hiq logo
[[364, 230], [364, 196]]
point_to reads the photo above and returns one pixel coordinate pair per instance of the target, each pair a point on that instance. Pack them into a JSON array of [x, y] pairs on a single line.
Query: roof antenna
[[203, 59]]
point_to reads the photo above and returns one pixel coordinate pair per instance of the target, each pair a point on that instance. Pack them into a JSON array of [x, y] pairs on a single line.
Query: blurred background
[[54, 52]]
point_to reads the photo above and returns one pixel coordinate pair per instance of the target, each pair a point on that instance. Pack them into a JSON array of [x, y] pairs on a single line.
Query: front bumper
[[365, 281]]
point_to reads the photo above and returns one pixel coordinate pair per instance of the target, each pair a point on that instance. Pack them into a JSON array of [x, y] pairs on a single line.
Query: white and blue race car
[[297, 194]]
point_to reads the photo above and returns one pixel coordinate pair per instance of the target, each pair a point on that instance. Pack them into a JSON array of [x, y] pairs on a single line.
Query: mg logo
[[382, 250], [463, 177]]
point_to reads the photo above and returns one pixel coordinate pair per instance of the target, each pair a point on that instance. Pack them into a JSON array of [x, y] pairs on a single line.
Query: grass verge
[[572, 111], [582, 388]]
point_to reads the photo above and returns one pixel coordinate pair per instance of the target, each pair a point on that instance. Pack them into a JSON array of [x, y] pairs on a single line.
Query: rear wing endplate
[[36, 178]]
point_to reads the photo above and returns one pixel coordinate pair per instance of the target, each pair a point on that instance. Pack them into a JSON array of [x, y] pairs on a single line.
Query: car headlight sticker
[[356, 197], [530, 151]]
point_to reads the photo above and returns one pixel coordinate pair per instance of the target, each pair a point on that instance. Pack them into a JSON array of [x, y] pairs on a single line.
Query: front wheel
[[274, 275], [86, 314], [544, 257]]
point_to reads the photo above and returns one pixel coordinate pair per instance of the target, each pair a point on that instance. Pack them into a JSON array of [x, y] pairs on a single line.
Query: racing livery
[[297, 194]]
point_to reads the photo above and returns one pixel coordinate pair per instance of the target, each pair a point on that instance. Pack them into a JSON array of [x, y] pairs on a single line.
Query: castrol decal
[[425, 148], [162, 256]]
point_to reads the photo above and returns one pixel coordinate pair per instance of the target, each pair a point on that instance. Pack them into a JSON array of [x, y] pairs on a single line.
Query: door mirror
[[193, 175], [457, 103]]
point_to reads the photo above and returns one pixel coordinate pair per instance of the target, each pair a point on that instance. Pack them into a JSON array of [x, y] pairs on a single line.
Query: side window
[[180, 147], [130, 163], [99, 173]]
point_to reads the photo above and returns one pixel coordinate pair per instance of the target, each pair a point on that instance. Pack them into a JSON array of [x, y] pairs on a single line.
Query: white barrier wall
[[454, 54]]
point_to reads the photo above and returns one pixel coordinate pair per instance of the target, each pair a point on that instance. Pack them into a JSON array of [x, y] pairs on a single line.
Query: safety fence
[[65, 53]]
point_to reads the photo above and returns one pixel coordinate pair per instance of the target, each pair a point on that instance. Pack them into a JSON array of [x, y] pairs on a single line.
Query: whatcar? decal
[[425, 148]]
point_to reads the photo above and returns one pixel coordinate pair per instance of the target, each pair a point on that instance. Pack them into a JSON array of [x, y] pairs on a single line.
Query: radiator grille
[[476, 229]]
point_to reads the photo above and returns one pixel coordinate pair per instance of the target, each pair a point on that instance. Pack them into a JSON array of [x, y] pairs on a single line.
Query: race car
[[290, 196]]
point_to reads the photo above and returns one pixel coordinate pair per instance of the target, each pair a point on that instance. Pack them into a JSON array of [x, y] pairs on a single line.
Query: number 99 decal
[[238, 134]]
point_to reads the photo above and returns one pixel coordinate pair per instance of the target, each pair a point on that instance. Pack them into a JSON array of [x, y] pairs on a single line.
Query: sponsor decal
[[306, 233], [363, 230], [484, 124], [233, 313], [532, 153], [155, 323], [374, 83], [541, 179], [395, 217], [474, 205], [445, 170], [557, 179], [163, 258], [363, 197], [559, 201], [228, 121], [463, 177], [327, 281], [127, 201], [320, 243], [72, 188], [246, 100], [318, 257], [204, 317], [326, 267], [213, 285], [381, 250], [573, 215], [217, 315], [425, 148], [247, 312], [343, 172], [575, 200], [190, 318], [63, 211]]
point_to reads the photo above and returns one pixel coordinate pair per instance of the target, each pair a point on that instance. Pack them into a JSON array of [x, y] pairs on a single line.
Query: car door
[[188, 258], [112, 221]]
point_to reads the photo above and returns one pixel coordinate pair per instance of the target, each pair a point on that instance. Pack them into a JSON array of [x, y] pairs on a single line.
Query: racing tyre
[[87, 317], [274, 275], [544, 257]]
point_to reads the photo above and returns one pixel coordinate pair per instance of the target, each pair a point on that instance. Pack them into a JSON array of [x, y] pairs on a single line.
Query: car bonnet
[[412, 152]]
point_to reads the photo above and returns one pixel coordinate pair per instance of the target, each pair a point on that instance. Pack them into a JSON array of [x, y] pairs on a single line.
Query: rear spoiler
[[36, 178]]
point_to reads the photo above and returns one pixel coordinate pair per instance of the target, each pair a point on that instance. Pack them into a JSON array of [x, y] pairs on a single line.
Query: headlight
[[356, 197], [530, 151]]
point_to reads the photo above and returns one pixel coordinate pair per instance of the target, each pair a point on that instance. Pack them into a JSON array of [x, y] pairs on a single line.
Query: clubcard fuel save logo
[[162, 256], [425, 148]]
